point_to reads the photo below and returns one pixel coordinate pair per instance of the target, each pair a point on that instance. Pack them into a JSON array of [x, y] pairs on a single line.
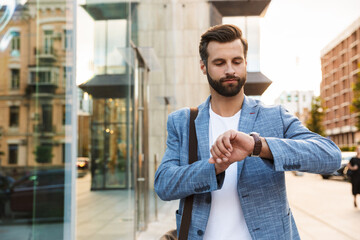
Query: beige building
[[34, 71], [340, 68]]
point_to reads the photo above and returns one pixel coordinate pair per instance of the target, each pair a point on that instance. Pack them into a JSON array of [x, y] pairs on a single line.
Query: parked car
[[38, 195], [5, 184], [82, 163], [345, 158]]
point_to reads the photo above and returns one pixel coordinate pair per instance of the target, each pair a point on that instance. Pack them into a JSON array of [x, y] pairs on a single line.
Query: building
[[34, 72], [297, 103], [340, 68]]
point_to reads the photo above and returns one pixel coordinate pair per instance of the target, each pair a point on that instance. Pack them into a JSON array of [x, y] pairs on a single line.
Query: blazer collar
[[248, 115]]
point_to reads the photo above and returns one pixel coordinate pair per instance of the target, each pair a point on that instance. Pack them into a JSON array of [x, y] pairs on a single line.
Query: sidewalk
[[322, 210], [166, 221]]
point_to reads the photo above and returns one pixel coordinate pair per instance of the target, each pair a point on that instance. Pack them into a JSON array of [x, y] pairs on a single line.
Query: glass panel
[[37, 157], [108, 82]]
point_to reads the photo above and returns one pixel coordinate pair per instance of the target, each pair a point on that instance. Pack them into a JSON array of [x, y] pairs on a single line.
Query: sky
[[292, 35]]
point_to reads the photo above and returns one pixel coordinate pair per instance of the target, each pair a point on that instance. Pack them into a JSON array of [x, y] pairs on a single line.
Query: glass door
[[111, 144]]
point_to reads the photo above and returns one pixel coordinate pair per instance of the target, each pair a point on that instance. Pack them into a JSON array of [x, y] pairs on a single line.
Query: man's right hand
[[231, 146]]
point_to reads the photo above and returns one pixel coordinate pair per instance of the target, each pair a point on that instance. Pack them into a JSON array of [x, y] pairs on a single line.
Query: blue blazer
[[261, 183]]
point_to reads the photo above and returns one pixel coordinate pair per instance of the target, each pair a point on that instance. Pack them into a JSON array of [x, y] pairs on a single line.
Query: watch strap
[[257, 146]]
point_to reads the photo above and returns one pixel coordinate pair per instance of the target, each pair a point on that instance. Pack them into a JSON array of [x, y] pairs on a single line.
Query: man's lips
[[230, 80]]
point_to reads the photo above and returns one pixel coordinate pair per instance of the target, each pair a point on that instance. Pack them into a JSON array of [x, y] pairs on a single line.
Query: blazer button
[[200, 232]]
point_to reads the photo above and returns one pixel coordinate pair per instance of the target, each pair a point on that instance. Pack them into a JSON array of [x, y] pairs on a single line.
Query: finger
[[222, 147], [213, 154], [227, 146], [212, 161], [217, 152]]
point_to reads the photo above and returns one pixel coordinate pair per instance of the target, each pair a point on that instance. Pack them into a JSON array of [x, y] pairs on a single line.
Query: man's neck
[[226, 106]]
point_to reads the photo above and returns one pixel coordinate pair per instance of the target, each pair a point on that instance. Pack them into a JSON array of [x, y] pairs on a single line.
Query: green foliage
[[317, 114], [355, 107], [348, 149], [43, 153]]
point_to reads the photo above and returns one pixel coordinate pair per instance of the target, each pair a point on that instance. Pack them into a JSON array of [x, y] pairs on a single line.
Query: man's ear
[[203, 67]]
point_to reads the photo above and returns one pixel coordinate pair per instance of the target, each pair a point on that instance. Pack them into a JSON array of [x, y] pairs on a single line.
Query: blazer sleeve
[[301, 149], [175, 178]]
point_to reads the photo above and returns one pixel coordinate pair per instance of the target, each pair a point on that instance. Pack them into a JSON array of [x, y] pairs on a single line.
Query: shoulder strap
[[186, 217]]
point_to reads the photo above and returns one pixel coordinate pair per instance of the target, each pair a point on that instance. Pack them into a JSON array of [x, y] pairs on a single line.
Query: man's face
[[226, 67]]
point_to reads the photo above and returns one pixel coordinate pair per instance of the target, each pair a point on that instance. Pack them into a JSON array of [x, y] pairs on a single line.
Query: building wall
[[296, 102], [340, 67], [28, 22], [173, 29]]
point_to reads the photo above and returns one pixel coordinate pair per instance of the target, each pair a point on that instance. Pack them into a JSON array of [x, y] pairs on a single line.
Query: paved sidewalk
[[322, 210], [166, 221]]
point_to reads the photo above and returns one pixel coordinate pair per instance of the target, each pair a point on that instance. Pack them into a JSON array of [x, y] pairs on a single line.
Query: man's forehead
[[228, 49]]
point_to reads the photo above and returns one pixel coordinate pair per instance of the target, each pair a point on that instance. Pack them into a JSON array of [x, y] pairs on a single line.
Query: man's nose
[[229, 70]]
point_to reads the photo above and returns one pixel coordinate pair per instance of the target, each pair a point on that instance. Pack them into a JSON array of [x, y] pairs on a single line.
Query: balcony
[[36, 88], [44, 129], [46, 56], [228, 8]]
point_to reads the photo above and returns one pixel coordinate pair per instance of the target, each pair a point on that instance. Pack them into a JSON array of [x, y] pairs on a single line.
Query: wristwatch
[[258, 144]]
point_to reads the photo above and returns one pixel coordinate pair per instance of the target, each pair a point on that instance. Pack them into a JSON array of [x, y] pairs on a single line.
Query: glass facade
[[73, 120], [37, 154]]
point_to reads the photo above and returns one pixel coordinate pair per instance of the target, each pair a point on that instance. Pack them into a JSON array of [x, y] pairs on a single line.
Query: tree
[[43, 153], [355, 107], [317, 114]]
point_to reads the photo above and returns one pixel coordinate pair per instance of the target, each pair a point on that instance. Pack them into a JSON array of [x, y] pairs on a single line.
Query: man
[[239, 185]]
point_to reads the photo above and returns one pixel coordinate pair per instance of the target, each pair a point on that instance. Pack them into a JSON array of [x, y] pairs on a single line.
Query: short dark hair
[[220, 33]]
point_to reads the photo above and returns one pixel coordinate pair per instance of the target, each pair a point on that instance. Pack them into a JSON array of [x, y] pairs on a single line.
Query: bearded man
[[244, 148]]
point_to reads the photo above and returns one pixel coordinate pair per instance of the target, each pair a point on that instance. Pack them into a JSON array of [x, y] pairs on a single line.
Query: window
[[67, 41], [63, 115], [289, 97], [47, 117], [44, 77], [15, 44], [40, 77], [63, 150], [67, 76], [15, 78], [13, 153], [48, 41], [14, 116]]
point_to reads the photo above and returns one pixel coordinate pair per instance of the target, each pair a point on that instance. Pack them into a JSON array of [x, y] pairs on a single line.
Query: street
[[323, 209]]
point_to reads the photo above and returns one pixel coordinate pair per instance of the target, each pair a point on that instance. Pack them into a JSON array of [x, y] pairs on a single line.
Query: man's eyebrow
[[221, 59], [218, 59]]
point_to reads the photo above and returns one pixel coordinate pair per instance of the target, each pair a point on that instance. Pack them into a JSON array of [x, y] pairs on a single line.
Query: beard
[[227, 90]]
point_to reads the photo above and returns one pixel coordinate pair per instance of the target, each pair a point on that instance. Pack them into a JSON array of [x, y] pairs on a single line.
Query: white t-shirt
[[226, 220]]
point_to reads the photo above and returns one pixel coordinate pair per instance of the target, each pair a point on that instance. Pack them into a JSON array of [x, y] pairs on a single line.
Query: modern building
[[144, 64], [297, 103], [340, 68]]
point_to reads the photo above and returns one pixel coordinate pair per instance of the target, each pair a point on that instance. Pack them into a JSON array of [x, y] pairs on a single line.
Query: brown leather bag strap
[[186, 216]]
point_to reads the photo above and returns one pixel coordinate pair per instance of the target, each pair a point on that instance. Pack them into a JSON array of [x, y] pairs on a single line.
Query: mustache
[[224, 79]]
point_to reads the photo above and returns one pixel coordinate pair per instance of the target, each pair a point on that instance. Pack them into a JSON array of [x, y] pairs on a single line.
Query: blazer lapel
[[202, 130], [248, 115]]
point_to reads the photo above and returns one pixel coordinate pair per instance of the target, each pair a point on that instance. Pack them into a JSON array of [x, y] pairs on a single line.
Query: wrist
[[258, 143]]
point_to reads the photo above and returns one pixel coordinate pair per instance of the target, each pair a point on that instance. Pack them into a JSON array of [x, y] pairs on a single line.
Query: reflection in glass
[[35, 53]]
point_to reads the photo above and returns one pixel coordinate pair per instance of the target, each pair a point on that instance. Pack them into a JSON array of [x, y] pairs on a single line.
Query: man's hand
[[231, 146]]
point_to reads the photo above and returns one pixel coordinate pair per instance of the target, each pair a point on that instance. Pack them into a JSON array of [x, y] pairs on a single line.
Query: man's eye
[[219, 64], [238, 62]]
